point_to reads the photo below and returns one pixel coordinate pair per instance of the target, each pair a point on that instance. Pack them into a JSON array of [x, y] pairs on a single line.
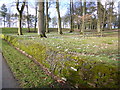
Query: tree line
[[82, 15]]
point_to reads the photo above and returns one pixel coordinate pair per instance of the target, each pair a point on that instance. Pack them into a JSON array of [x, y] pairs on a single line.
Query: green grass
[[96, 46], [74, 42], [103, 50], [13, 30], [53, 31], [25, 70], [24, 30]]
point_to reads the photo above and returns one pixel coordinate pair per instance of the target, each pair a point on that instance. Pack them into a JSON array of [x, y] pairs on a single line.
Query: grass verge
[[28, 74]]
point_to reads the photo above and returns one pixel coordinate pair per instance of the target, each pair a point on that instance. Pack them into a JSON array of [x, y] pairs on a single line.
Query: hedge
[[80, 71]]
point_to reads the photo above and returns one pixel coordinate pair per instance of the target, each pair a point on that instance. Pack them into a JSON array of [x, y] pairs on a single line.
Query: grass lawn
[[25, 70], [100, 49], [106, 47], [90, 46]]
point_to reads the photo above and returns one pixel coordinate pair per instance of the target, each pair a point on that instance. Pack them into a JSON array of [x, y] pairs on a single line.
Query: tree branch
[[23, 5], [17, 5]]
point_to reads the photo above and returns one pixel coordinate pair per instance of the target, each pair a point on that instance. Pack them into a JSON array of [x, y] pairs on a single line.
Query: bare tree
[[59, 18], [119, 15], [47, 22], [20, 11], [111, 4], [28, 18], [71, 16], [98, 19], [104, 16], [83, 19], [41, 30], [36, 4]]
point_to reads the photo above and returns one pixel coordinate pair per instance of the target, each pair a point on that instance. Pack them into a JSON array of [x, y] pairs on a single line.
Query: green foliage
[[80, 70], [3, 11]]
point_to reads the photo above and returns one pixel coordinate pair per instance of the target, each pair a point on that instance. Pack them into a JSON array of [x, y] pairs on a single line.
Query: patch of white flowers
[[66, 49], [64, 79], [58, 47], [73, 68], [95, 46], [78, 48]]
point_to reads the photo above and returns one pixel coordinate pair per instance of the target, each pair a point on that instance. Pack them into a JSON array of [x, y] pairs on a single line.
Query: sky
[[11, 4], [52, 10]]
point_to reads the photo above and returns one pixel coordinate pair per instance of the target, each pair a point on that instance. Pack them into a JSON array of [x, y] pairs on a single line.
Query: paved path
[[8, 81], [0, 71]]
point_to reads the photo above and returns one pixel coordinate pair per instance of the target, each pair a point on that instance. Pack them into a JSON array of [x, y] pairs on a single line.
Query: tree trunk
[[35, 18], [9, 20], [4, 21], [119, 22], [111, 14], [9, 24], [98, 21], [20, 24], [83, 21], [119, 15], [20, 10], [98, 26], [104, 15], [28, 18], [63, 24], [71, 16], [41, 30], [59, 18], [81, 13], [47, 22]]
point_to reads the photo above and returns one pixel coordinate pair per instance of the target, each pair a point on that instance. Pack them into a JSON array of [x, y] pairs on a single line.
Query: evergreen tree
[[4, 12]]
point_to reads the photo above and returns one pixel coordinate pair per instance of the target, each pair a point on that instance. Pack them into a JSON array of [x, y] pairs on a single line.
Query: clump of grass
[[25, 70]]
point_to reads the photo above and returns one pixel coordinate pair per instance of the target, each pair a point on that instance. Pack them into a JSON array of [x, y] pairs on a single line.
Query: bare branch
[[17, 5], [23, 5]]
